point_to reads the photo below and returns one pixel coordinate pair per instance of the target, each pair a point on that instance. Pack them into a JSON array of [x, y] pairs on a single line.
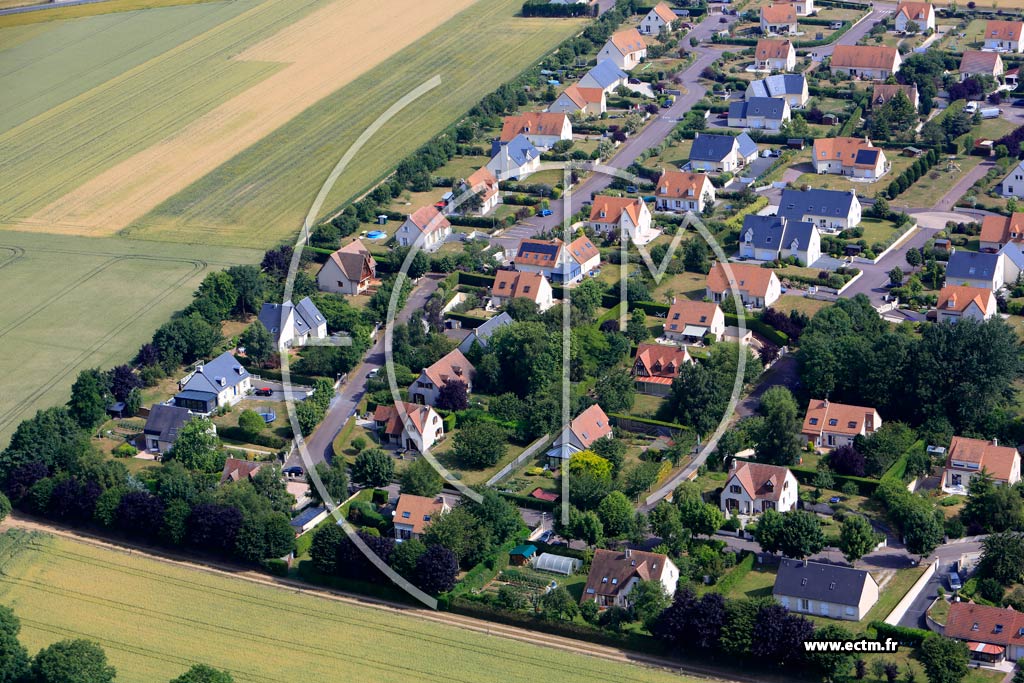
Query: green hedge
[[475, 279], [296, 378], [737, 574], [276, 566], [265, 440], [649, 421], [530, 502], [851, 123], [910, 637], [898, 470], [760, 327], [865, 486], [386, 591]]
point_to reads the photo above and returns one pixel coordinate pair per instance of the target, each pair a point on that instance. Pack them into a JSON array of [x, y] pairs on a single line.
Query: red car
[[264, 391]]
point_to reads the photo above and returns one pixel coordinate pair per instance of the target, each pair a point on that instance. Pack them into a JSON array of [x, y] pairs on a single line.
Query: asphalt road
[[851, 37], [946, 555]]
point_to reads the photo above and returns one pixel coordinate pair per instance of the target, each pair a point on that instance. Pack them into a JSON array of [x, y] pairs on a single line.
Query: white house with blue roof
[[215, 384], [606, 75], [829, 210], [513, 160], [766, 238], [790, 87], [293, 325], [760, 113], [722, 153]]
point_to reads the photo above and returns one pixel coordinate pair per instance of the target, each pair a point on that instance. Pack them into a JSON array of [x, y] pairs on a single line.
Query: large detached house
[[872, 62], [452, 367], [586, 428], [215, 384], [513, 160], [576, 98], [163, 425], [884, 92], [766, 238], [293, 325], [421, 428], [681, 191], [920, 13], [1004, 36], [349, 270], [623, 215], [691, 321], [980, 63], [828, 425], [804, 8], [778, 19], [606, 76], [483, 183], [968, 458], [759, 113], [426, 223], [656, 366], [1013, 183], [992, 634], [722, 153], [615, 573], [974, 269], [830, 210], [557, 262], [237, 469], [758, 287], [956, 303], [482, 335], [542, 129], [790, 87], [754, 487], [625, 49], [413, 513], [774, 55], [825, 590], [998, 231], [849, 156], [660, 16], [511, 284]]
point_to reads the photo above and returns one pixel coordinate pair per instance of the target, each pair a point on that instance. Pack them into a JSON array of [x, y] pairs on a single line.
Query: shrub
[[125, 450], [276, 566]]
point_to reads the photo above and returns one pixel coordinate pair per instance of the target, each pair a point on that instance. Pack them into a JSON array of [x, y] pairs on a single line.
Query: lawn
[[892, 593], [262, 194], [935, 184], [155, 620], [877, 230], [757, 583], [84, 303], [791, 302], [830, 181]]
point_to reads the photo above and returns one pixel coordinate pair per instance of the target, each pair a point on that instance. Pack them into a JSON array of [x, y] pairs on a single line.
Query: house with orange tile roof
[[586, 428], [758, 287], [854, 157], [884, 92], [557, 262], [426, 224], [1004, 36], [453, 367], [512, 284], [656, 366], [920, 13], [956, 303], [992, 633], [778, 19], [681, 191], [625, 49], [968, 458], [542, 129], [804, 8], [413, 514], [998, 231], [875, 62], [660, 16], [753, 487], [689, 322], [623, 215], [485, 186], [774, 55], [418, 429], [1013, 183], [828, 424], [980, 63], [615, 573], [349, 270], [236, 469], [575, 98]]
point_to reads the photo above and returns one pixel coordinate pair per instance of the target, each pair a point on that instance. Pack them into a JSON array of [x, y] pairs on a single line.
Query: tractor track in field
[[16, 254]]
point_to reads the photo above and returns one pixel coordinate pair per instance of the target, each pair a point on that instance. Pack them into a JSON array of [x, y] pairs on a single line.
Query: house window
[[734, 489], [804, 605]]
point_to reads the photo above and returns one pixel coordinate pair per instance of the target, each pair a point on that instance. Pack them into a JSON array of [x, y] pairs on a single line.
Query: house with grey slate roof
[[829, 210], [220, 382], [790, 87], [973, 269], [760, 113], [482, 335], [825, 590], [293, 324], [722, 153], [513, 160], [766, 238], [606, 76], [162, 427]]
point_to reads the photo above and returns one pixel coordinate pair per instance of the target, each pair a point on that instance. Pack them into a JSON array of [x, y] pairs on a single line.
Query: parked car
[[1018, 103], [954, 581], [544, 212], [373, 373], [835, 499], [631, 188], [294, 471], [264, 391], [723, 20]]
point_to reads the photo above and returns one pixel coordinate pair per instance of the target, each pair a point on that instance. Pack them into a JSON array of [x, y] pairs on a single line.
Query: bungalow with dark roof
[[825, 590], [214, 384], [790, 87], [767, 238], [293, 325], [722, 153], [759, 113], [829, 210], [974, 269], [162, 427]]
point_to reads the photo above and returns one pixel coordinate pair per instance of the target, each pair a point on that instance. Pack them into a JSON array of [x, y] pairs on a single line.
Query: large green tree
[[945, 660], [258, 343], [421, 479], [616, 514], [1002, 557], [90, 396], [778, 439], [373, 467], [197, 446], [856, 537], [201, 673], [479, 445], [72, 661]]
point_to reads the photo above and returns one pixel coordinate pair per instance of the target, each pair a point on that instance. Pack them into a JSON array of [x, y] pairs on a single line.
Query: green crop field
[[155, 620], [261, 195], [73, 303]]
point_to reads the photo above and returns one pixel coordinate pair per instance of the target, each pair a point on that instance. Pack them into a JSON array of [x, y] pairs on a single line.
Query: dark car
[[723, 20], [264, 391], [293, 471], [1018, 103]]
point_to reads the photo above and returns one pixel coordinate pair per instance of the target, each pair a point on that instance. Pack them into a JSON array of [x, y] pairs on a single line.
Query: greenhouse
[[557, 564]]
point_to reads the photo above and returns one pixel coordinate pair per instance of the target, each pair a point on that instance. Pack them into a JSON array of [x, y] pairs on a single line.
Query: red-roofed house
[[758, 287], [774, 55], [624, 215], [804, 8], [661, 15], [614, 574], [967, 458], [452, 367], [690, 321], [979, 63], [998, 231], [866, 61], [778, 19], [589, 101], [413, 514], [625, 49], [428, 222], [543, 129], [483, 183], [956, 302], [586, 428], [511, 284], [920, 13], [350, 270], [828, 425], [754, 487], [992, 633], [656, 365], [681, 191], [421, 428], [1004, 36], [236, 469]]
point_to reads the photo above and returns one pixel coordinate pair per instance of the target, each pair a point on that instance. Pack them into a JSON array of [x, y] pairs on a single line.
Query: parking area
[[295, 392]]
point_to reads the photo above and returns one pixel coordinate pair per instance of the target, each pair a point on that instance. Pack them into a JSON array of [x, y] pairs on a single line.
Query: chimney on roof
[[457, 369], [995, 442], [804, 561], [629, 552]]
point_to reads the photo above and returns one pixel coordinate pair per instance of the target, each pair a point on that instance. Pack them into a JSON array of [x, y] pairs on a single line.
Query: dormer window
[[814, 420], [803, 582], [974, 626], [998, 628]]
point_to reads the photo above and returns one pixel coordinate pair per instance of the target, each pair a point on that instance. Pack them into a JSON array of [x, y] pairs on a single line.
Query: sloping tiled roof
[[708, 147], [997, 460], [772, 108], [779, 14], [454, 365], [849, 151], [417, 511], [969, 621], [958, 298], [590, 425], [582, 250], [978, 62], [685, 312], [532, 123], [970, 265], [750, 278], [541, 253], [483, 182], [612, 208], [392, 420], [628, 41], [679, 184], [838, 418], [821, 582], [1003, 30], [773, 49], [428, 219], [759, 480], [661, 361], [581, 97], [864, 57], [606, 72], [236, 469], [884, 92], [610, 570], [520, 150], [355, 261], [915, 11], [1003, 229], [164, 422], [665, 12], [778, 85], [217, 374], [514, 284], [795, 204]]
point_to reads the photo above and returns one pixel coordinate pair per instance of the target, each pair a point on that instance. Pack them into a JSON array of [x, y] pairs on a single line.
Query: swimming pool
[[376, 234]]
